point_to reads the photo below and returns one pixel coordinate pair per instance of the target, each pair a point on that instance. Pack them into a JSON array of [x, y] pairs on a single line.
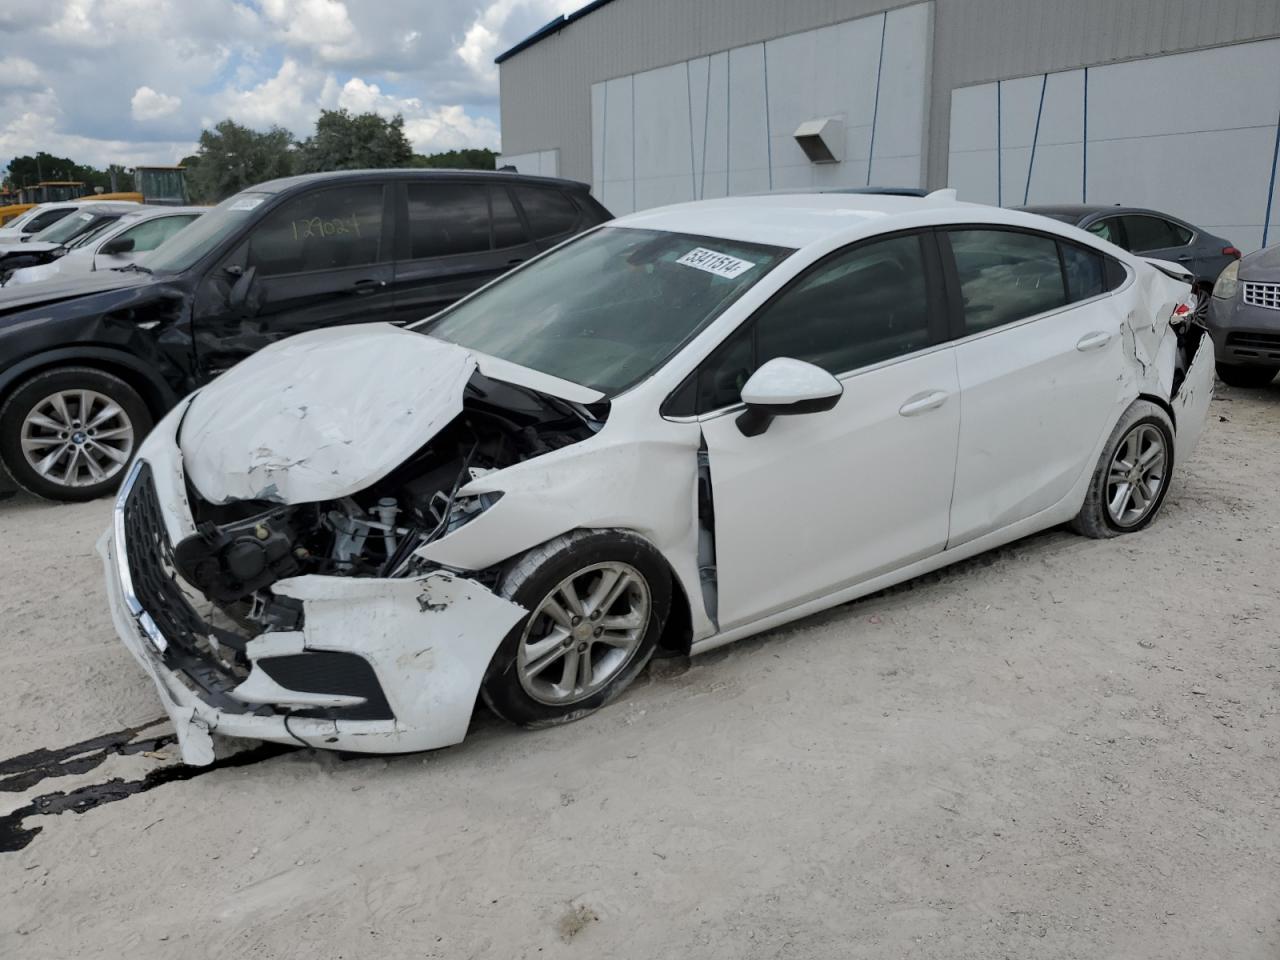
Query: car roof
[[799, 219], [289, 184], [154, 211], [109, 206]]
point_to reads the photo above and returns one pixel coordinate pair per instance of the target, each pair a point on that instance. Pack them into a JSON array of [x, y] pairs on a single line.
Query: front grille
[[1262, 294], [1256, 346], [150, 557], [191, 638]]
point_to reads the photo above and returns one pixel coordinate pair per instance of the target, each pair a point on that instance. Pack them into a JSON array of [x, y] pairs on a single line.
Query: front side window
[[610, 307], [859, 307], [322, 230], [1005, 276], [149, 235], [1154, 233]]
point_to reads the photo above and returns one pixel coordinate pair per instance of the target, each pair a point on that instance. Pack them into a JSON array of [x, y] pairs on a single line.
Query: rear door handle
[[362, 287], [929, 400], [1092, 341]]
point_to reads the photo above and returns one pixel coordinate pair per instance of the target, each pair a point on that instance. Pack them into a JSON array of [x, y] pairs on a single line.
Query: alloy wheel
[[1137, 475], [583, 633], [77, 438]]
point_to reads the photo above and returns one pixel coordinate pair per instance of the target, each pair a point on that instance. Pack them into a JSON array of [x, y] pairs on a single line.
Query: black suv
[[87, 364]]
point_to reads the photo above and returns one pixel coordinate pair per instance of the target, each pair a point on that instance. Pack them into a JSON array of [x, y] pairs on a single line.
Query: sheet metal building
[[1173, 104]]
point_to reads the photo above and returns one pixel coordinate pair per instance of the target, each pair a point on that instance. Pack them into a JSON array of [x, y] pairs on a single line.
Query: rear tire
[[1132, 477], [70, 433], [597, 601], [1237, 375]]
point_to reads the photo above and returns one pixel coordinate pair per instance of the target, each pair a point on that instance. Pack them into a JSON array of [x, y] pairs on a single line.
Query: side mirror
[[783, 387], [117, 246], [239, 295]]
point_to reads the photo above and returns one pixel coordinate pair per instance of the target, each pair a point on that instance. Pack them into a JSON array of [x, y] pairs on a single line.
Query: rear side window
[[1089, 273], [447, 219], [1154, 233], [1006, 276], [508, 231], [321, 230], [550, 212]]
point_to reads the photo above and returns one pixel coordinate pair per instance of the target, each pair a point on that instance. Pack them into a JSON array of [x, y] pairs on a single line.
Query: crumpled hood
[[322, 415]]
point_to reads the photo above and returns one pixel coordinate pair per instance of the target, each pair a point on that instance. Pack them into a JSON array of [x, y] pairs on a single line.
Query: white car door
[[824, 500], [1040, 359]]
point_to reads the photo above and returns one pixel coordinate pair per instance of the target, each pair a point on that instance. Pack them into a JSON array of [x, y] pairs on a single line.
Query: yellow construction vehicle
[[166, 186]]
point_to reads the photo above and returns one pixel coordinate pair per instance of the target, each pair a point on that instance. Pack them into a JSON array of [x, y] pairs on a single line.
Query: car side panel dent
[[1191, 402], [647, 485]]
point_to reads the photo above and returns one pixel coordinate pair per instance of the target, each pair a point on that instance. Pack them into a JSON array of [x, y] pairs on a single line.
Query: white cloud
[[131, 80], [321, 25], [18, 73], [288, 99], [147, 104], [450, 128]]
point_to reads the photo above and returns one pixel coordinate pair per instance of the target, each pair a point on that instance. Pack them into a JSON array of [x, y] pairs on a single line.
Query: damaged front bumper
[[377, 665]]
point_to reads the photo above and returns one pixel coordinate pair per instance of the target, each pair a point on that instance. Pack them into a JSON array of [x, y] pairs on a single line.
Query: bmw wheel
[[69, 434]]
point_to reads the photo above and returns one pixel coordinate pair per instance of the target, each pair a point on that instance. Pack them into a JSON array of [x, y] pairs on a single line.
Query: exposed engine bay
[[242, 547]]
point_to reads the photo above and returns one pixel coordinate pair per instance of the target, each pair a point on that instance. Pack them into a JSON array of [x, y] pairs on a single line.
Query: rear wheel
[[1132, 477], [1237, 375], [69, 434], [597, 603]]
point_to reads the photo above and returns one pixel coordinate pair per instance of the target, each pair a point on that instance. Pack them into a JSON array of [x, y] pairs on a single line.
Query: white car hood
[[322, 415]]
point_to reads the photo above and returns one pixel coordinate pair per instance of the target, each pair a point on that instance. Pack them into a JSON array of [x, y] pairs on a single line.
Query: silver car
[[1244, 319]]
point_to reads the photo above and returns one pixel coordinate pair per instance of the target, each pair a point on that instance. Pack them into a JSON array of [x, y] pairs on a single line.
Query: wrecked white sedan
[[687, 426]]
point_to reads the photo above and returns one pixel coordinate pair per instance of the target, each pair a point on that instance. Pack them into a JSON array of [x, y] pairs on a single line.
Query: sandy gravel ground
[[1064, 749]]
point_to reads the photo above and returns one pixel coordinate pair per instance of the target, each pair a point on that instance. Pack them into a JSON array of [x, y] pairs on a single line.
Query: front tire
[[597, 604], [69, 434], [1237, 375], [1132, 477]]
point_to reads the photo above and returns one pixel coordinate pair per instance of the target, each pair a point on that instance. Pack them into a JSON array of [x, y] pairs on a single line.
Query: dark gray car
[[1244, 320], [1149, 233]]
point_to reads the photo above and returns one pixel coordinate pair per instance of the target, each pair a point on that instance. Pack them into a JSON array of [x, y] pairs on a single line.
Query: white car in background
[[112, 245], [32, 221], [690, 425]]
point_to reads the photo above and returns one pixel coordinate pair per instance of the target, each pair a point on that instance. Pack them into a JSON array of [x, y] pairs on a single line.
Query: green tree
[[468, 159], [232, 157], [354, 141]]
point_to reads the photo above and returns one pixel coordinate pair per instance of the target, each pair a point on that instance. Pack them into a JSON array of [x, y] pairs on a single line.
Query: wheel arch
[[1160, 402], [677, 632], [155, 392]]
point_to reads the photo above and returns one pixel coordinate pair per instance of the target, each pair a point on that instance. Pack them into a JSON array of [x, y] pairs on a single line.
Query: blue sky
[[135, 81]]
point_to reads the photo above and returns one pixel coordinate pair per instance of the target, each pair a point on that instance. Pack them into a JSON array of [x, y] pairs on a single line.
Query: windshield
[[194, 241], [609, 308], [67, 228]]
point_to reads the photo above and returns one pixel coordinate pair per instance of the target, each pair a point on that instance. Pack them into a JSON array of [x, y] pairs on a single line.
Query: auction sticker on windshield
[[721, 264]]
